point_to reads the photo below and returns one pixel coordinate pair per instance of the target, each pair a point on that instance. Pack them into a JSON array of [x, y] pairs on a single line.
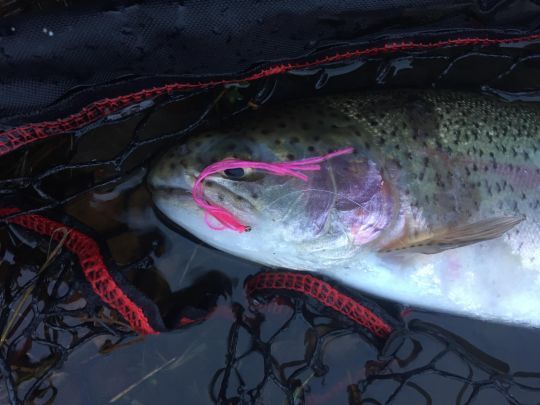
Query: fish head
[[339, 206], [237, 189]]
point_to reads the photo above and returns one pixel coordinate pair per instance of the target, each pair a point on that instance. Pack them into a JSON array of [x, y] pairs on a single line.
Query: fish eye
[[236, 173]]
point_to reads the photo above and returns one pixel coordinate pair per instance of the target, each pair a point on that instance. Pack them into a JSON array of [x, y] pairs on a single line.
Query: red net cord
[[322, 292], [93, 267], [17, 137]]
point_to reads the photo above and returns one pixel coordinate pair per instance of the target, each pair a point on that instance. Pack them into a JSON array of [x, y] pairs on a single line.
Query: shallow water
[[445, 360]]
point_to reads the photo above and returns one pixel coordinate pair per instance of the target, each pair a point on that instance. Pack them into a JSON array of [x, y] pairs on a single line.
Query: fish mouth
[[179, 193], [168, 192]]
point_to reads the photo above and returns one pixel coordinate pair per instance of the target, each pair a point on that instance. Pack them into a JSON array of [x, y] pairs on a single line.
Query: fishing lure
[[293, 168]]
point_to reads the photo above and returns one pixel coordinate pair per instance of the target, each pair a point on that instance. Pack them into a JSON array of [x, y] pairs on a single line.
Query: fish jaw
[[172, 196], [246, 245]]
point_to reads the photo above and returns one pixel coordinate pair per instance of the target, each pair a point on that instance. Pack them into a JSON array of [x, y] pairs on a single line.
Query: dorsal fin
[[453, 237]]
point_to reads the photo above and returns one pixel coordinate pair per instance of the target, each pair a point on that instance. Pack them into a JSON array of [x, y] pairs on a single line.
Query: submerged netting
[[421, 363], [294, 339], [84, 110]]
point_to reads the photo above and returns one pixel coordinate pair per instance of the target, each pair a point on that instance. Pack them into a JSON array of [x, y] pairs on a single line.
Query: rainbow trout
[[438, 206]]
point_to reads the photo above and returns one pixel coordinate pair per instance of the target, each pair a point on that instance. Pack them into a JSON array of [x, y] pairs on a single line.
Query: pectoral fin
[[454, 237]]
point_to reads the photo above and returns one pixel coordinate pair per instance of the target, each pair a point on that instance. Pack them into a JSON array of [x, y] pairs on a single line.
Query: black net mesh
[[254, 346], [45, 317], [272, 348], [422, 364], [170, 69]]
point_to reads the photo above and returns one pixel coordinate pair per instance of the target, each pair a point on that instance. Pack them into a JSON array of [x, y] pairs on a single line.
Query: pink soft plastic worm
[[294, 168]]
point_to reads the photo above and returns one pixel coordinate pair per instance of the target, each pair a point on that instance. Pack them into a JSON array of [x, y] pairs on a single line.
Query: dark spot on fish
[[209, 183], [221, 197], [311, 148], [172, 166], [277, 141], [422, 117], [294, 140], [290, 156], [254, 196]]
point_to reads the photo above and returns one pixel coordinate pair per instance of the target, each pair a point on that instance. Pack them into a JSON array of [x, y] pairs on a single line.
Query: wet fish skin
[[427, 164], [459, 157]]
